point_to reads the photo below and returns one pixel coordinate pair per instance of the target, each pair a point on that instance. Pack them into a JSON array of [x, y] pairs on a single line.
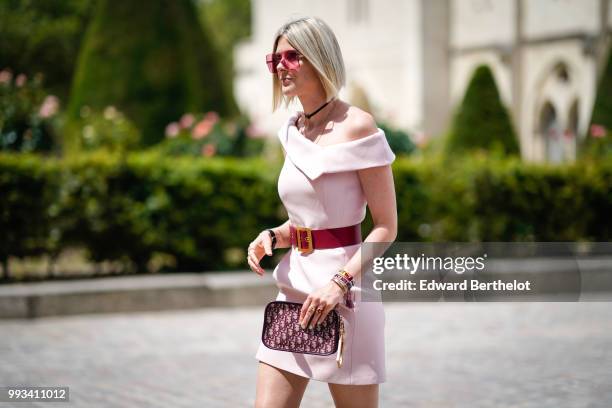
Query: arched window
[[551, 132], [558, 114], [561, 72]]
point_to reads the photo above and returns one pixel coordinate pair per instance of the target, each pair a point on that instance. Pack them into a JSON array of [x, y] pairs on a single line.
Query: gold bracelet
[[341, 285], [345, 274]]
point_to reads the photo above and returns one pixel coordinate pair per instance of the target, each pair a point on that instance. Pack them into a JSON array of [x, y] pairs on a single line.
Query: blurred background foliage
[[119, 136], [598, 143], [44, 37], [151, 212], [26, 114], [91, 55], [153, 63]]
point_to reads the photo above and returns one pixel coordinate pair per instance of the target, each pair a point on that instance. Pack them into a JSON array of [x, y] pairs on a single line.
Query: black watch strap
[[273, 236]]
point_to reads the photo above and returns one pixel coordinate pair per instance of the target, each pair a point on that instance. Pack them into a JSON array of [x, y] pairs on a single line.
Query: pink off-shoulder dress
[[320, 188]]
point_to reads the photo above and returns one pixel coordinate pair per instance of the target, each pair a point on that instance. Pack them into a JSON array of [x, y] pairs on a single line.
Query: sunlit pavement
[[438, 355]]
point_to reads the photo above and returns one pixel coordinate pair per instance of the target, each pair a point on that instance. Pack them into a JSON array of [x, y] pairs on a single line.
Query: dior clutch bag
[[282, 331]]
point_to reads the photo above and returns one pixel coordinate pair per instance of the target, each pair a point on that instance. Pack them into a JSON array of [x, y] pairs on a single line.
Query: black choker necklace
[[310, 115]]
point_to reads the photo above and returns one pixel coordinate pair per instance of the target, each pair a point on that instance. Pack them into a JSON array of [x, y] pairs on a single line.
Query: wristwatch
[[273, 236]]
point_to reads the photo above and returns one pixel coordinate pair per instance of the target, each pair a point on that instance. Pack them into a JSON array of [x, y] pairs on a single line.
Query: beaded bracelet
[[347, 283]]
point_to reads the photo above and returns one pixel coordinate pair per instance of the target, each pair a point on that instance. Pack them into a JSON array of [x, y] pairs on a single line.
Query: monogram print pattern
[[281, 330]]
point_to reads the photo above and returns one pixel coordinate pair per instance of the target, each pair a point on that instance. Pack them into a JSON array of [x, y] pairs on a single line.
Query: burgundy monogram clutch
[[281, 331]]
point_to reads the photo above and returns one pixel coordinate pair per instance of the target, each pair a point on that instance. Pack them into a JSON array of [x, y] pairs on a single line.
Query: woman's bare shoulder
[[359, 123]]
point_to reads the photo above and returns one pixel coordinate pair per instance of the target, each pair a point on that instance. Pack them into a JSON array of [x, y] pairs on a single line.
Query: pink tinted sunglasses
[[289, 58]]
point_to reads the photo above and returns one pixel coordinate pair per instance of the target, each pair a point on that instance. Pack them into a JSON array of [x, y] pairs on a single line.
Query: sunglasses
[[289, 58]]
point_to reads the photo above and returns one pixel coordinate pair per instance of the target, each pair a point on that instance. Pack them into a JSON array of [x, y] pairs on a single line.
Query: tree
[[231, 20], [481, 121], [152, 61], [43, 37]]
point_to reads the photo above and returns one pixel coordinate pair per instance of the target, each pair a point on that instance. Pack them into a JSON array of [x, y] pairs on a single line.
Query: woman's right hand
[[260, 246]]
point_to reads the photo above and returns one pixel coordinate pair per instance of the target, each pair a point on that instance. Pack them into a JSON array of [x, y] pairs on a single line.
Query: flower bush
[[108, 129], [27, 114], [207, 134]]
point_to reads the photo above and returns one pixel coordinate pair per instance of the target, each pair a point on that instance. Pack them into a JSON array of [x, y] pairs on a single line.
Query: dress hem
[[352, 381]]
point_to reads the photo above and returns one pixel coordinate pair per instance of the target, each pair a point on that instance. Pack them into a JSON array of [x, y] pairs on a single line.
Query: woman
[[336, 161]]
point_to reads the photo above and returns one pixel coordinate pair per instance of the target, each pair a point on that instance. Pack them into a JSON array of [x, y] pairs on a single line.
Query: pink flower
[[49, 106], [598, 131], [21, 80], [173, 129], [5, 76], [568, 134], [186, 120], [202, 129], [209, 150], [212, 116]]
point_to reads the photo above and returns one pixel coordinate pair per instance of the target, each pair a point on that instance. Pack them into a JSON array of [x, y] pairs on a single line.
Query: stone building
[[411, 60]]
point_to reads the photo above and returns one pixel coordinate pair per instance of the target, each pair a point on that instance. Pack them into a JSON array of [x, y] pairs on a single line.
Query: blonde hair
[[313, 38]]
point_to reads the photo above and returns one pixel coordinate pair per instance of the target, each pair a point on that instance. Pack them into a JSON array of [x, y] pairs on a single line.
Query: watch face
[[273, 236]]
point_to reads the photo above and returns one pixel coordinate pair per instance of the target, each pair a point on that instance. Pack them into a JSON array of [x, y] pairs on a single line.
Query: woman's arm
[[379, 190], [282, 235]]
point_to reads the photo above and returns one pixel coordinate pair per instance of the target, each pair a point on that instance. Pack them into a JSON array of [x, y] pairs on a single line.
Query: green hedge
[[203, 213], [130, 209], [480, 198]]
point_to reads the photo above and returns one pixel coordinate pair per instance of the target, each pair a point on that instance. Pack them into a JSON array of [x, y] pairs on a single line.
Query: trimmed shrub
[[399, 141], [481, 121], [153, 62]]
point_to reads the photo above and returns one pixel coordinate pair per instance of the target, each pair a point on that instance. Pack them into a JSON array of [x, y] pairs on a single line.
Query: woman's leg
[[278, 388], [354, 396]]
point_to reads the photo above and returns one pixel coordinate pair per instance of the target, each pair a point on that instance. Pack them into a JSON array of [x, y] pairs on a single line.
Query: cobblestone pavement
[[438, 354]]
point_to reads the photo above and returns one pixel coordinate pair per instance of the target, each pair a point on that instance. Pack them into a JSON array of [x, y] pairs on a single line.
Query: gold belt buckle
[[308, 240]]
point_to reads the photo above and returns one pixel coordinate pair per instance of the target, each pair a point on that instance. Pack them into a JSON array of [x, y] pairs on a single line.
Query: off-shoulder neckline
[[291, 124]]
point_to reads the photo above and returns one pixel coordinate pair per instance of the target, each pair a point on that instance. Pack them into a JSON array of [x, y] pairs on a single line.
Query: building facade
[[410, 61]]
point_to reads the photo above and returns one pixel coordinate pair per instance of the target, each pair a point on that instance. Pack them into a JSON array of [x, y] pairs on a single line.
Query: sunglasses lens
[[293, 60], [272, 62], [290, 59]]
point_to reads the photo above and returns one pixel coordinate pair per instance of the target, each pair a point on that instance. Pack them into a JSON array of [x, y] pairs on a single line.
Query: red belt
[[307, 240]]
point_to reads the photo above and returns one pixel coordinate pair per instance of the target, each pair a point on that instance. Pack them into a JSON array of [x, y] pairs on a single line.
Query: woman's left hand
[[323, 299]]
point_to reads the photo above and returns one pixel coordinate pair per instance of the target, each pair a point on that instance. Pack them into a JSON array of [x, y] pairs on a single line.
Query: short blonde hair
[[313, 38]]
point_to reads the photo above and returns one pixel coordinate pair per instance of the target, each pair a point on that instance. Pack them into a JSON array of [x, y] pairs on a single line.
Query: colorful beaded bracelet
[[348, 283]]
